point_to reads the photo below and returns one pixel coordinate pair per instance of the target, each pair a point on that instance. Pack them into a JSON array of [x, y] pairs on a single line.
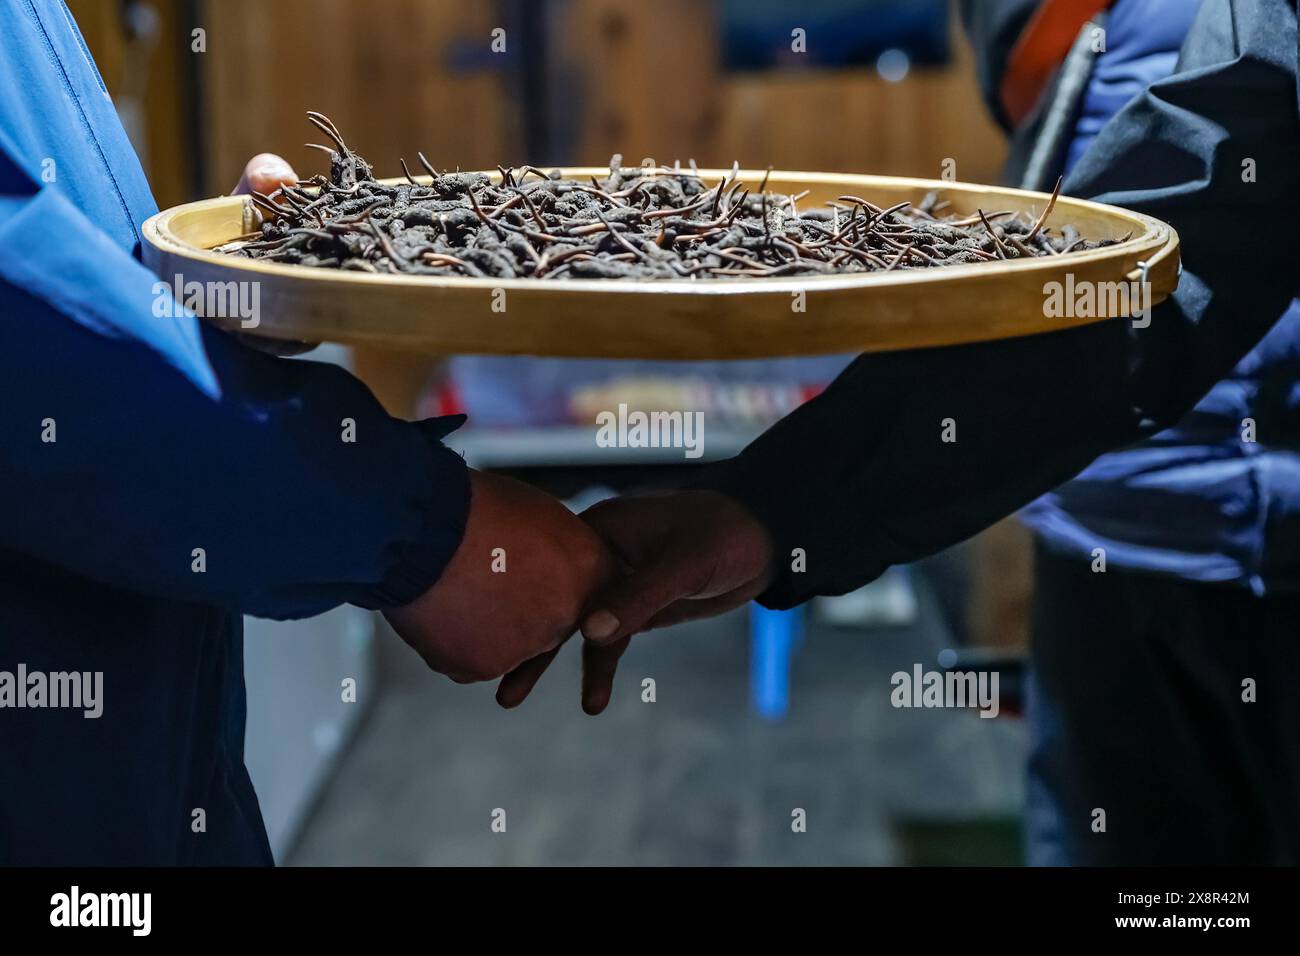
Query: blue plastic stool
[[773, 636]]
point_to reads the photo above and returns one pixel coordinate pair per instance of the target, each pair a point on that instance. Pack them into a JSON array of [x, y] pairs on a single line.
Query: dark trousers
[[1137, 710]]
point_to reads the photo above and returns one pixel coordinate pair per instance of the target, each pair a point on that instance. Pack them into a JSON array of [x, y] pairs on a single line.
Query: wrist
[[768, 529]]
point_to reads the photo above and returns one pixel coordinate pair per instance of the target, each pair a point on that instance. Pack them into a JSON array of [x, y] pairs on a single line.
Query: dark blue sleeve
[[156, 454], [860, 478]]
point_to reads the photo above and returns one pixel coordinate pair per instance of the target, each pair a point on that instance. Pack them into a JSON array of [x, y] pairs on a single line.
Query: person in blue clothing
[[160, 479], [1167, 583], [1167, 622], [1166, 574]]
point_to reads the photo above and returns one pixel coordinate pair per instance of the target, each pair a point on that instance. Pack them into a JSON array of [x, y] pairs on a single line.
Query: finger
[[519, 683], [625, 607], [265, 172], [599, 664], [692, 609]]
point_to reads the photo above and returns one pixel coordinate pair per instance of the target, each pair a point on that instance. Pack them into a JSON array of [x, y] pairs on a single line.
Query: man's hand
[[478, 622], [265, 173], [688, 555]]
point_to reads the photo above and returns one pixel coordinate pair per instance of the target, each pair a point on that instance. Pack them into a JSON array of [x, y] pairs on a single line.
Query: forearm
[[909, 452], [290, 493]]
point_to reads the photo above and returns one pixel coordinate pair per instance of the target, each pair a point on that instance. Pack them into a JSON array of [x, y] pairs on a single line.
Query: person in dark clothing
[[1198, 547], [161, 479], [1169, 704], [859, 478]]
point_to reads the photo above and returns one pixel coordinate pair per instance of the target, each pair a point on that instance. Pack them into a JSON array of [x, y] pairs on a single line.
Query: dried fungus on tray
[[637, 223]]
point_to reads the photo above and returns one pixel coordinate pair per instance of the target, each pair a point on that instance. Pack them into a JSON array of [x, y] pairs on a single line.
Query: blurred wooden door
[[645, 80], [386, 73]]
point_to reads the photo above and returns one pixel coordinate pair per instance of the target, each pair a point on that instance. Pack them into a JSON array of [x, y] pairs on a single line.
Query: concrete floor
[[694, 778]]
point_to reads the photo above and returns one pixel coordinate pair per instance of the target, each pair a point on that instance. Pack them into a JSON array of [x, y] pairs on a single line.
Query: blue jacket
[[1198, 500], [127, 442]]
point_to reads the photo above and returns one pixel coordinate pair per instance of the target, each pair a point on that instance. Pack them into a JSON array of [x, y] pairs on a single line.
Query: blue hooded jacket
[[1216, 497], [158, 480]]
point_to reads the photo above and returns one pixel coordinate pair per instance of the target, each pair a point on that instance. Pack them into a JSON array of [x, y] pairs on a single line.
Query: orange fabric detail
[[1042, 48]]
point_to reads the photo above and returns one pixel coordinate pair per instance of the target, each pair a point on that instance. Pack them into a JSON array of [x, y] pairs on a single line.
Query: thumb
[[265, 173], [626, 606]]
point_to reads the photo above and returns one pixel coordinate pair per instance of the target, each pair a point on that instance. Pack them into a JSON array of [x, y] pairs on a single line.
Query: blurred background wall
[[578, 81]]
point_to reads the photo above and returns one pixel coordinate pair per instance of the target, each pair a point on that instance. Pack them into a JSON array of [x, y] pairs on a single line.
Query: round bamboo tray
[[686, 318]]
